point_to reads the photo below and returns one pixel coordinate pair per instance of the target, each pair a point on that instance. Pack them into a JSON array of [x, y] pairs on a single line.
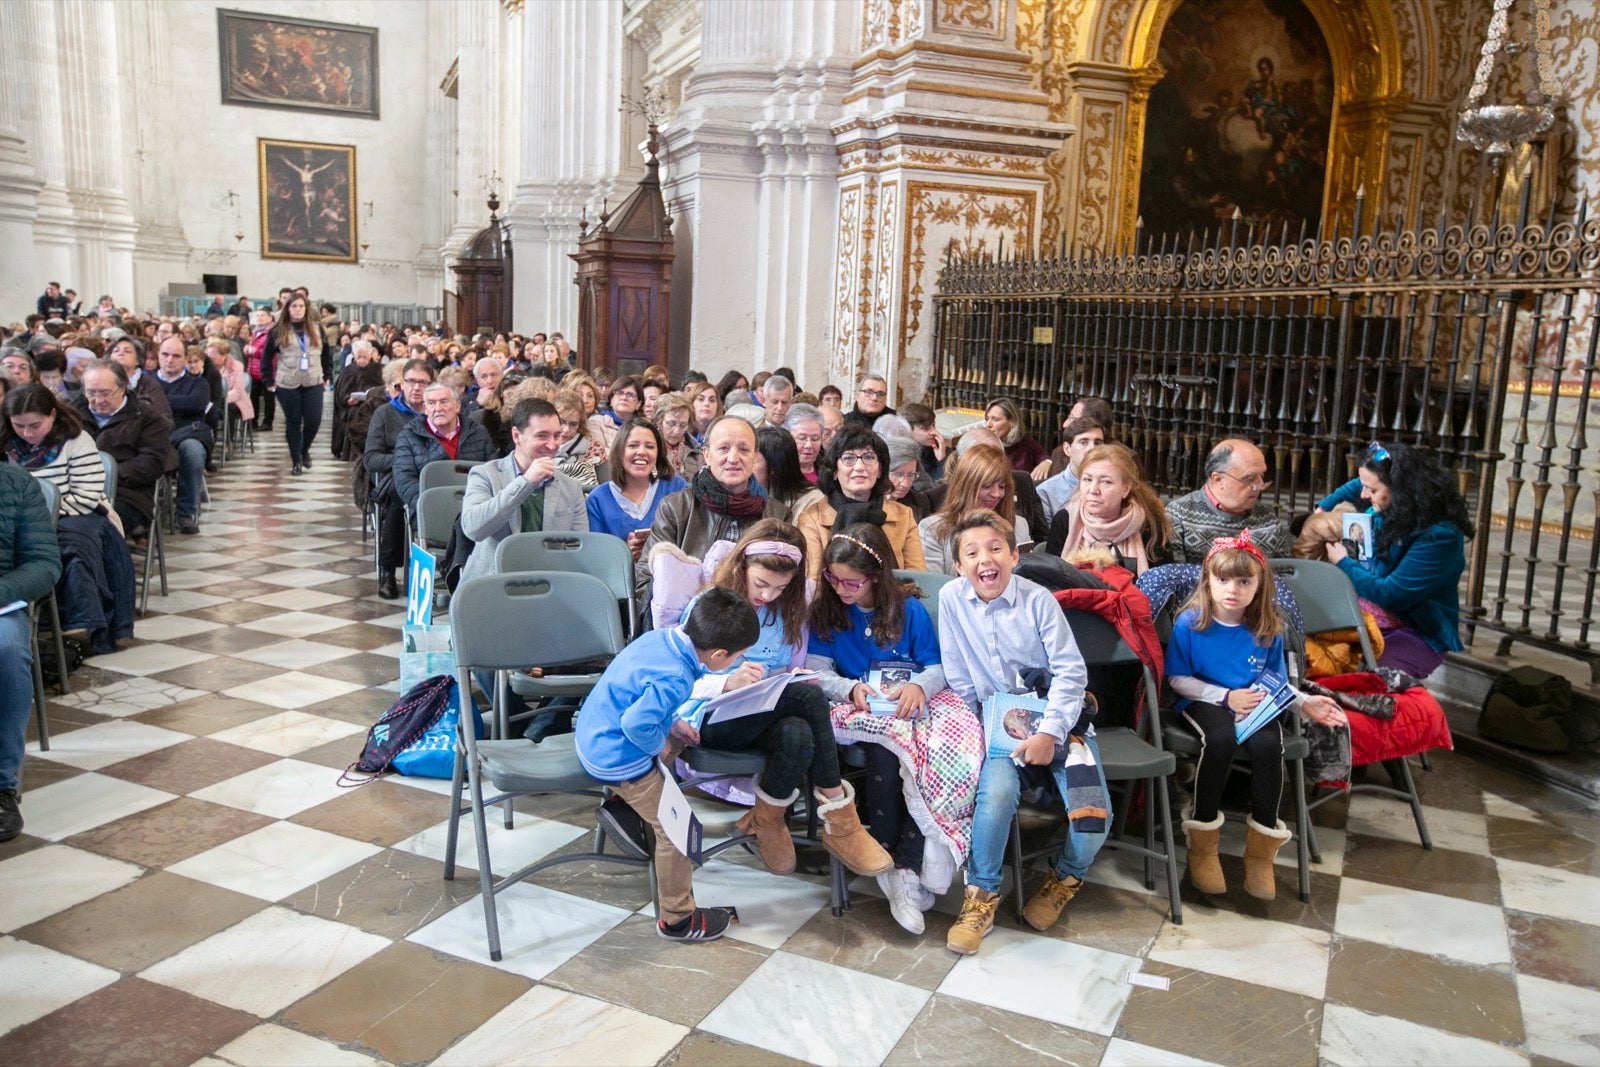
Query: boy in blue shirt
[[993, 627], [629, 722]]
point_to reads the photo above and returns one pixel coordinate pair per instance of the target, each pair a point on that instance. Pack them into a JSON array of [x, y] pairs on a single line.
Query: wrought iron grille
[[1476, 343]]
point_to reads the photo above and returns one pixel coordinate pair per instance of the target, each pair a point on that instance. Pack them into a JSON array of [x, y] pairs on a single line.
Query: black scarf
[[716, 497], [848, 512]]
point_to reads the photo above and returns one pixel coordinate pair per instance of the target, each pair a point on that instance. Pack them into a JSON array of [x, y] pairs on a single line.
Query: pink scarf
[[1124, 533]]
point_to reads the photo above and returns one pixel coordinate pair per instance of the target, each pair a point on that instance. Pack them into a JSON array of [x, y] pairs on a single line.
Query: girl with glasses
[[865, 630]]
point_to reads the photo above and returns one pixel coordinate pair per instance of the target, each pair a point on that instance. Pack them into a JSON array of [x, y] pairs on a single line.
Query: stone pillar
[[942, 150], [574, 62], [752, 283], [21, 281], [161, 249]]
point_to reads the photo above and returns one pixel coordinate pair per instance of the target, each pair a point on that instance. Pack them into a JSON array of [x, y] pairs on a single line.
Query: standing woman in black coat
[[295, 363]]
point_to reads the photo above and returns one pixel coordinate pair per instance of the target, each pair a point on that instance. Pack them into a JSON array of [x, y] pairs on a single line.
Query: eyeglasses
[[101, 394], [876, 394], [417, 381], [845, 584], [858, 459], [1255, 481]]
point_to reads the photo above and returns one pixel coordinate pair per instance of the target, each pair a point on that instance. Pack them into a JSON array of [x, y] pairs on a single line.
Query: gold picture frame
[[308, 199]]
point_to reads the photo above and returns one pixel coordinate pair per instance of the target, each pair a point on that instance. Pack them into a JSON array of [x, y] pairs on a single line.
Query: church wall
[[213, 150]]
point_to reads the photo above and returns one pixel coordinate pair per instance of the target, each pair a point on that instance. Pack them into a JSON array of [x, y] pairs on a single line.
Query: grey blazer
[[491, 510]]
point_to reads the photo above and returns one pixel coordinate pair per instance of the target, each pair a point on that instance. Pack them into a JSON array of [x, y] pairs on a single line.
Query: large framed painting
[[308, 198], [1240, 120], [298, 64]]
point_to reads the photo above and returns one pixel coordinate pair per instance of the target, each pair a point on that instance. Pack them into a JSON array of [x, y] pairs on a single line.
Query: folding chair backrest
[[109, 465], [437, 510], [444, 472], [930, 582], [1101, 646], [532, 619], [1326, 598], [599, 555], [52, 498]]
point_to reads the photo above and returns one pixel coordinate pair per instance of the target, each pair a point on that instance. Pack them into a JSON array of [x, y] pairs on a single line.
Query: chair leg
[[62, 685], [480, 827], [1174, 902], [38, 698], [1416, 805], [1150, 832], [452, 833], [1427, 764], [1302, 818], [144, 583], [159, 542], [1016, 866]]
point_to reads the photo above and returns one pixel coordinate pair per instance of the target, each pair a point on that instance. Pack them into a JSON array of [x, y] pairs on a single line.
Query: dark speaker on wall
[[221, 284]]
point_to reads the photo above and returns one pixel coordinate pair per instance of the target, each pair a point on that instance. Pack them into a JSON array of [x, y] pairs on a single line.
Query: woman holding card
[[876, 655], [1224, 658]]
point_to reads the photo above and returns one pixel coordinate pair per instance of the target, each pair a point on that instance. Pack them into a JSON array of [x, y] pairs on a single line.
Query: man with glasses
[[382, 433], [871, 401], [130, 433], [1228, 502]]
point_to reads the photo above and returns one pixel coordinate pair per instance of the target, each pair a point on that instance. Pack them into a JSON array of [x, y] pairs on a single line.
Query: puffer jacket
[[30, 558], [682, 521], [415, 448]]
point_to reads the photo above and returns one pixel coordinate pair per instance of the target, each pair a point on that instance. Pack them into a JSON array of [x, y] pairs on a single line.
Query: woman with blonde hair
[[981, 479], [706, 405], [674, 416], [579, 455], [1115, 508]]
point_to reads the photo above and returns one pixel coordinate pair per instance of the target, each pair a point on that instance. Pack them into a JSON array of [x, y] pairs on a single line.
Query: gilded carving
[[848, 260], [1097, 133], [1114, 30], [984, 16]]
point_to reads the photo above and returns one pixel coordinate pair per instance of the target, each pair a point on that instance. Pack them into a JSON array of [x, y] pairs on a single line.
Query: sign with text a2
[[419, 588]]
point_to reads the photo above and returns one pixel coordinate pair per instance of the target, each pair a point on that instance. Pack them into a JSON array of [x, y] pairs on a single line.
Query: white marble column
[[20, 280], [573, 150], [749, 177], [161, 250]]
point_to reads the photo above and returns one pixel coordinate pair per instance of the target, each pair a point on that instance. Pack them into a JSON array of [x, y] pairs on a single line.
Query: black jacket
[[415, 448], [141, 443]]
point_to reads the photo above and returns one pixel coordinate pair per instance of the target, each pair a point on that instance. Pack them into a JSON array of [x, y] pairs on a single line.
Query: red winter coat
[[1127, 610]]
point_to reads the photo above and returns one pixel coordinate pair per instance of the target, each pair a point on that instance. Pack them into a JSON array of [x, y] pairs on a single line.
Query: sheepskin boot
[[768, 821], [1259, 850], [1205, 870], [843, 835]]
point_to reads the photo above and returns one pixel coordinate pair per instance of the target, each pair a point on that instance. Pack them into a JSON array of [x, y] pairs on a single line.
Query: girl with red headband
[[1225, 657]]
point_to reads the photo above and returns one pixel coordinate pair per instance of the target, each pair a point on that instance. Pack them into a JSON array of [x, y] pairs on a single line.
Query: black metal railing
[[1476, 343]]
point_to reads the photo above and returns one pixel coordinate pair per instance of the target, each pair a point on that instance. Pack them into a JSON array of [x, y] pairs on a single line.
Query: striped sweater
[[78, 474]]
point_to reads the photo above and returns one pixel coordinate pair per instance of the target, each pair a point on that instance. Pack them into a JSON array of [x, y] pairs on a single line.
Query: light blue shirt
[[1055, 492], [985, 647]]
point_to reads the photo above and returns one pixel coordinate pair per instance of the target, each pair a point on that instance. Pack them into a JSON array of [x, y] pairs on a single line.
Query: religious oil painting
[[1239, 121], [298, 64], [308, 196]]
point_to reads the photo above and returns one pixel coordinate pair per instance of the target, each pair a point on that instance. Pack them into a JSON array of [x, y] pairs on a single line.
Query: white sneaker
[[926, 898], [900, 887]]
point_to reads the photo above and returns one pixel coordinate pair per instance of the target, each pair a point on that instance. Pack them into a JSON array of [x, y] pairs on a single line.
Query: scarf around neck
[[1122, 534], [848, 512], [715, 496]]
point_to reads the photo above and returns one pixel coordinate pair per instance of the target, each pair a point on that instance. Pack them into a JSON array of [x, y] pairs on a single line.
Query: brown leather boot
[[768, 822], [843, 835], [1259, 850], [1205, 870]]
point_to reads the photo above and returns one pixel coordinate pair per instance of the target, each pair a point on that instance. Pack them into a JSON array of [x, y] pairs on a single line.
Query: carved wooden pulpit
[[483, 277], [625, 279]]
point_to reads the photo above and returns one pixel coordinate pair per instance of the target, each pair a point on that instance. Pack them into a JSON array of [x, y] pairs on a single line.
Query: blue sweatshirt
[[845, 658], [1220, 654], [625, 718]]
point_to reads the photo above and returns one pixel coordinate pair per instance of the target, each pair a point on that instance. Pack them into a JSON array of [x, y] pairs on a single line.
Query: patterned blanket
[[941, 755]]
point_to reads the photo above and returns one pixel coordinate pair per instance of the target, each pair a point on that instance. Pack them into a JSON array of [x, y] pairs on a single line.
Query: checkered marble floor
[[193, 887]]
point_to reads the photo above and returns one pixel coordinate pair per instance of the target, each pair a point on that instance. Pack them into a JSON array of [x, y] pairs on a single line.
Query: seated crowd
[[767, 524]]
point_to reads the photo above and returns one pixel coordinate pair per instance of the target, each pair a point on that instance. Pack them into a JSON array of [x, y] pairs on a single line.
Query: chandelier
[[1501, 128]]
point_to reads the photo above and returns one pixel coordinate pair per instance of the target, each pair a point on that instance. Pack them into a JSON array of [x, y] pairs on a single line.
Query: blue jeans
[[998, 788], [191, 473], [16, 693]]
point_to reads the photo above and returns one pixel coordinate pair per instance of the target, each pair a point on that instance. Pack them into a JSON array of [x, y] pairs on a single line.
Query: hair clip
[[1377, 453]]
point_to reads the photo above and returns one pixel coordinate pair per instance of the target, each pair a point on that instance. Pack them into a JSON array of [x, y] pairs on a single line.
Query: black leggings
[[892, 825], [796, 735], [302, 418], [264, 404], [1214, 726]]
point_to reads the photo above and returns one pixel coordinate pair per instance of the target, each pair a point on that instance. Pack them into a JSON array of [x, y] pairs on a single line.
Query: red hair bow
[[1242, 543]]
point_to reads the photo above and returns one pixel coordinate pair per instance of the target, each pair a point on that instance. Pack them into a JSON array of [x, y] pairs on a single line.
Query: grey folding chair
[[1127, 754], [600, 554], [52, 504], [437, 511], [444, 472], [498, 623], [1328, 602], [929, 582]]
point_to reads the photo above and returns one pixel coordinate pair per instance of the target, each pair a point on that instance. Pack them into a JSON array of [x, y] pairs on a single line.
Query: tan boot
[[768, 822], [1205, 870], [1259, 850], [975, 922], [1044, 907], [843, 835]]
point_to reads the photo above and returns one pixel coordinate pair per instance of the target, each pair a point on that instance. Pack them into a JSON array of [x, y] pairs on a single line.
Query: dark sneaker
[[706, 924], [187, 524], [624, 826], [11, 817]]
